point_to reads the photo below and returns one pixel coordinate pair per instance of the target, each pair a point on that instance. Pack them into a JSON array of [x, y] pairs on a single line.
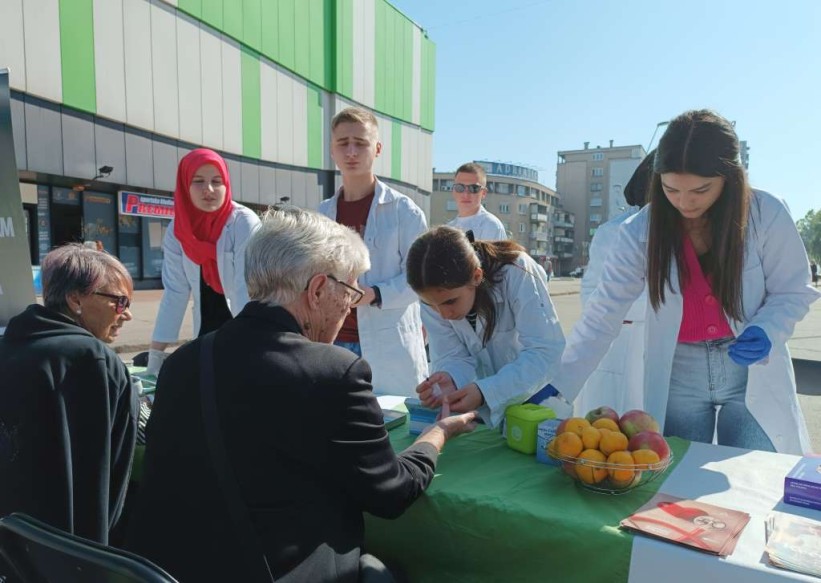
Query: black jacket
[[305, 438], [68, 422]]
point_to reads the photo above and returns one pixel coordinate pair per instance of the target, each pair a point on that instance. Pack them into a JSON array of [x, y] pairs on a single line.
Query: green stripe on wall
[[270, 30], [232, 19], [212, 13], [428, 79], [396, 151], [252, 23], [344, 38], [316, 54], [286, 33], [251, 112], [315, 141], [192, 7], [407, 72], [380, 57], [77, 54], [302, 38], [329, 50]]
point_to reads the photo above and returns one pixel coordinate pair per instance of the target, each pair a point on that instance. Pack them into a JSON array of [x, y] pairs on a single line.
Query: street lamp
[[658, 125]]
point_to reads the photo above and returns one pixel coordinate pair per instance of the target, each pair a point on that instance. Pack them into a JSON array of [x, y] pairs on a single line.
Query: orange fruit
[[591, 437], [589, 474], [645, 458], [621, 475], [613, 441], [574, 424], [568, 444], [606, 424]]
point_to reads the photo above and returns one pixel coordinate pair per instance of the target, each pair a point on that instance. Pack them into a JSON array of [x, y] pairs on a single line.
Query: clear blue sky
[[519, 80]]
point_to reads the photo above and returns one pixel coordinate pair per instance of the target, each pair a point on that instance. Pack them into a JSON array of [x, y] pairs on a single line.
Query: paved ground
[[805, 344]]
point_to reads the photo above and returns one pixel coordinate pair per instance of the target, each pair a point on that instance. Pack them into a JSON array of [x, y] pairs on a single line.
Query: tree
[[810, 229]]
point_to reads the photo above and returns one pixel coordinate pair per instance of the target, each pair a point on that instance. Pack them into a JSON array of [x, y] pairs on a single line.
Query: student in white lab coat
[[495, 340], [727, 281], [469, 190], [618, 381]]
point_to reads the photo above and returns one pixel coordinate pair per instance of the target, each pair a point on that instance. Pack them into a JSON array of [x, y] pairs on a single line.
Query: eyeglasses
[[358, 293], [471, 188], [123, 302]]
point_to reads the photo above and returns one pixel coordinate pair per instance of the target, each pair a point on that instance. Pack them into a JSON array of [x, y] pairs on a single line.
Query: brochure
[[698, 525], [794, 543]]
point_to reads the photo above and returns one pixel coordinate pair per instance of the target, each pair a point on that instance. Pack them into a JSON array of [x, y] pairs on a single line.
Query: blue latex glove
[[750, 347]]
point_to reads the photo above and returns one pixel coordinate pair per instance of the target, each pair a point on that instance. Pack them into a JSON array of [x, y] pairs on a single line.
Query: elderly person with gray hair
[[303, 432], [68, 413]]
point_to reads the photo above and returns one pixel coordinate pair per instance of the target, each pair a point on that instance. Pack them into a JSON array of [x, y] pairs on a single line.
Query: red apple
[[637, 420], [650, 440], [603, 412]]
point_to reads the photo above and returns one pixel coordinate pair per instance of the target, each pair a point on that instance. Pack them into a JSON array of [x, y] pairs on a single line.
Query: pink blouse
[[703, 317]]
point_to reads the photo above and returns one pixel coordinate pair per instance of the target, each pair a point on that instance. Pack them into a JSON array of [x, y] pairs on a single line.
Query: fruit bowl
[[610, 478]]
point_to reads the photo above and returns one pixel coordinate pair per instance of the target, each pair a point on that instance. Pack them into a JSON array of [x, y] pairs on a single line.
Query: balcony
[[560, 239], [564, 224], [538, 217], [539, 237]]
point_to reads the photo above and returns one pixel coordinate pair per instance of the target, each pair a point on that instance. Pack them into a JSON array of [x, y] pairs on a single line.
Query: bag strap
[[237, 508]]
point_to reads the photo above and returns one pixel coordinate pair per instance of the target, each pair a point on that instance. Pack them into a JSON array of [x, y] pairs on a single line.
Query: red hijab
[[196, 230]]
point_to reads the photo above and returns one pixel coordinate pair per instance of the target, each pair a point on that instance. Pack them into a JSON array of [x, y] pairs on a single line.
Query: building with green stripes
[[133, 85]]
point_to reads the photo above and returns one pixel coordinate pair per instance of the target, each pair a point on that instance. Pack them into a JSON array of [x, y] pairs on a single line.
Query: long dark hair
[[443, 257], [705, 144]]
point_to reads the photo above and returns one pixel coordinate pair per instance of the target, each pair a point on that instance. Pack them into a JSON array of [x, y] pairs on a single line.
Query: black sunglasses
[[471, 188], [123, 302]]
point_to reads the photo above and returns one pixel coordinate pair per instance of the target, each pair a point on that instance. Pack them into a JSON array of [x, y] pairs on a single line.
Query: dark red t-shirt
[[353, 214]]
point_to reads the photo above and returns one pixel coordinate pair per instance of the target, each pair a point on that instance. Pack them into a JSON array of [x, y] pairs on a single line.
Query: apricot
[[591, 437], [568, 444], [621, 475], [613, 441], [590, 474], [645, 458], [606, 424]]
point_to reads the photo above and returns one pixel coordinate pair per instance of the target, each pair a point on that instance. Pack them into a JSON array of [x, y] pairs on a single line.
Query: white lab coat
[[522, 355], [391, 335], [776, 295], [181, 276], [618, 381], [485, 226]]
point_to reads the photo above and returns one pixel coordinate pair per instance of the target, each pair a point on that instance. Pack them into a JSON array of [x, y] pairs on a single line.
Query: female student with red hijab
[[203, 252]]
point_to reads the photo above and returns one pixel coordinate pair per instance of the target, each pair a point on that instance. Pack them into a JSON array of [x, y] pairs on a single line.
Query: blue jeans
[[706, 386], [352, 346]]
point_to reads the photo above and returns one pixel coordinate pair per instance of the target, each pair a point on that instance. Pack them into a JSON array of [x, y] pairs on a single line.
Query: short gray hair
[[77, 268], [291, 246]]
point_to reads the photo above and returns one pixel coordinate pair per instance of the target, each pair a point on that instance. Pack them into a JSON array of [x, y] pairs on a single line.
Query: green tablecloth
[[493, 514]]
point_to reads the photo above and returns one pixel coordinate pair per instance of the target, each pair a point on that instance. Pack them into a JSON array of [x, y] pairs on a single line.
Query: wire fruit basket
[[610, 478]]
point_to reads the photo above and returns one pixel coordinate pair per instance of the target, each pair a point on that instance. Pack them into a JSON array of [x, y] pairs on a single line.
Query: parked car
[[578, 272]]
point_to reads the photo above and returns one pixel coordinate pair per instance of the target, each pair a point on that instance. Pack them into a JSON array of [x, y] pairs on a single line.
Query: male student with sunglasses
[[469, 189]]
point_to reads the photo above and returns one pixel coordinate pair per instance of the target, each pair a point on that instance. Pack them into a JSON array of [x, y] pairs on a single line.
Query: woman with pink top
[[725, 271]]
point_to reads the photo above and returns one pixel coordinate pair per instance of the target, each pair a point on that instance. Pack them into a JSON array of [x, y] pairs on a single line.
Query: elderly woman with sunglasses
[[302, 430], [68, 413]]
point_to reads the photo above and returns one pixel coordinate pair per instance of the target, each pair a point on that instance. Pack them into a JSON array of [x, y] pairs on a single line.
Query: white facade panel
[[189, 76], [416, 91], [382, 165], [164, 70], [300, 113], [231, 96], [12, 52], [425, 161], [211, 73], [410, 154], [268, 77], [139, 85], [285, 118], [109, 59], [41, 27]]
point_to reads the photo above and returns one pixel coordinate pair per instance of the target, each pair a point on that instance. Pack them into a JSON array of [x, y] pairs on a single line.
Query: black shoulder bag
[[249, 542]]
